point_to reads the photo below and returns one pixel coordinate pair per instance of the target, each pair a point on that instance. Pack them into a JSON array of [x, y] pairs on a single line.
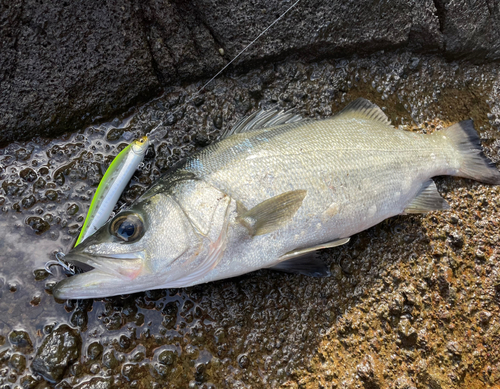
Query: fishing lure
[[112, 185]]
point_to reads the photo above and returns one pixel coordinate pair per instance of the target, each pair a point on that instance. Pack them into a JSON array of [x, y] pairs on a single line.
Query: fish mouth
[[106, 275]]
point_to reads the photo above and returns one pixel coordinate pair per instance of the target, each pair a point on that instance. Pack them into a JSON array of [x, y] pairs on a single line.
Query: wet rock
[[109, 360], [58, 351], [167, 357], [369, 373], [456, 239], [95, 383], [37, 224], [72, 209], [94, 350], [407, 333], [29, 382], [454, 348], [18, 363], [20, 339], [243, 361], [28, 174]]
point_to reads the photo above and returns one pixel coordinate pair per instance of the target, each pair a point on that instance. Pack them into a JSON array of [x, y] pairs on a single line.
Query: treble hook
[[69, 267]]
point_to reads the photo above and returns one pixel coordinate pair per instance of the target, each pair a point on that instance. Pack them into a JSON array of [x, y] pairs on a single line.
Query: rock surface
[[61, 348], [412, 302], [65, 64]]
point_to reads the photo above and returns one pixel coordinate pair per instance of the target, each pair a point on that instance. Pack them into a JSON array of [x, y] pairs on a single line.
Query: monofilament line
[[234, 59]]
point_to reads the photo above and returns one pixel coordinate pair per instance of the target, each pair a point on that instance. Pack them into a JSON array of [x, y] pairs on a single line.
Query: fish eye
[[128, 227]]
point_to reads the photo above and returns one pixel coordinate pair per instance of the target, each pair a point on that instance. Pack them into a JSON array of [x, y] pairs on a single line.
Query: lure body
[[112, 185]]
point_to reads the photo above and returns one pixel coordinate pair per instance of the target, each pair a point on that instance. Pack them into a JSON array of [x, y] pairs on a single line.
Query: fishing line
[[72, 269], [149, 135]]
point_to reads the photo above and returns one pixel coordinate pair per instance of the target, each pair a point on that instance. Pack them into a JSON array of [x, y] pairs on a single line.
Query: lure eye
[[127, 227]]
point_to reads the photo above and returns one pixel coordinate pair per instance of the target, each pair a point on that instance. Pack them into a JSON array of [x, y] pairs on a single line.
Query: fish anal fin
[[271, 214], [428, 199], [300, 252], [307, 264], [263, 119], [364, 109]]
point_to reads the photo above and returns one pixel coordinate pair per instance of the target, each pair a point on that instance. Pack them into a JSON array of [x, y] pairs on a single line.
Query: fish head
[[140, 145], [139, 249]]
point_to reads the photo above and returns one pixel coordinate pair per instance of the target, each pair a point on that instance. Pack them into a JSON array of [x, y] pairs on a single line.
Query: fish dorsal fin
[[364, 109], [271, 214], [264, 119], [428, 199]]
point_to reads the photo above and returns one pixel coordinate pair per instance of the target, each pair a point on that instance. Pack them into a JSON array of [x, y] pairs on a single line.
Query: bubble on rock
[[243, 361], [72, 209], [37, 224], [28, 174], [18, 363], [94, 350], [20, 339]]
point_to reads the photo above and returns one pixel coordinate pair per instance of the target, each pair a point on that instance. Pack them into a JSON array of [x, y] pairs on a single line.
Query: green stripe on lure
[[112, 185]]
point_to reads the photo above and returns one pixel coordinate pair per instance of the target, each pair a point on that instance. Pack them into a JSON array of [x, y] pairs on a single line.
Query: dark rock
[[65, 66], [59, 349], [181, 44], [18, 363], [38, 224], [94, 350], [167, 357], [471, 29], [28, 174], [317, 28], [109, 360], [20, 339], [63, 63]]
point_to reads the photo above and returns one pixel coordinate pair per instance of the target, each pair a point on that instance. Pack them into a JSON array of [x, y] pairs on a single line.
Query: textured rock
[[470, 28], [63, 63], [66, 64], [59, 349], [318, 28], [412, 302]]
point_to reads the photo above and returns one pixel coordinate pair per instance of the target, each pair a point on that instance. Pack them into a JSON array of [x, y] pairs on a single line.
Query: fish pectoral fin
[[364, 109], [307, 264], [271, 214], [427, 200]]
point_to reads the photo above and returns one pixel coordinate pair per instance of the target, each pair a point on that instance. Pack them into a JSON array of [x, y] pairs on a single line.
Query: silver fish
[[273, 191]]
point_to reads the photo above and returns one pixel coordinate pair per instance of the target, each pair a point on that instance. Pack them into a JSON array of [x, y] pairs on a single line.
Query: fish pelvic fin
[[428, 199], [305, 261], [474, 164], [307, 264], [271, 214], [364, 109]]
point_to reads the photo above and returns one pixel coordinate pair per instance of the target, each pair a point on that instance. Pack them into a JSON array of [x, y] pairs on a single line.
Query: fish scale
[[270, 197]]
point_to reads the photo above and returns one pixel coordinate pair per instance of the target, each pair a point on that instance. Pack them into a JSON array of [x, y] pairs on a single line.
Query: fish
[[112, 185], [269, 194]]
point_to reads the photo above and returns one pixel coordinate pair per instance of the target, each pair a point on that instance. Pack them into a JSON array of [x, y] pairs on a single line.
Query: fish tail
[[473, 163]]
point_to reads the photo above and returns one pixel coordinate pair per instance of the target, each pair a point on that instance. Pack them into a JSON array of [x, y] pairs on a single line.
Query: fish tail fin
[[473, 163]]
